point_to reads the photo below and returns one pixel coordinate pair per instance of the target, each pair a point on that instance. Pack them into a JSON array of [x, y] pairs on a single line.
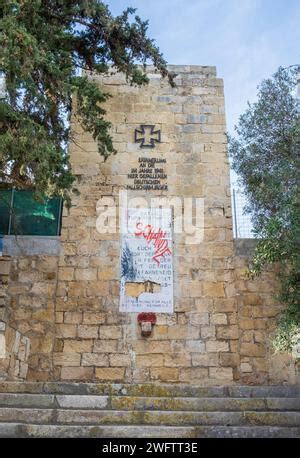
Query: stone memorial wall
[[80, 309]]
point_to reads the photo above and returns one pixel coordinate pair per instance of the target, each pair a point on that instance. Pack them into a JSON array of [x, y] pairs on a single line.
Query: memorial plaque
[[146, 261], [150, 175]]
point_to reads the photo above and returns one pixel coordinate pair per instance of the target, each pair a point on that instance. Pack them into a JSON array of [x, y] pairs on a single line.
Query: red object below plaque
[[146, 316]]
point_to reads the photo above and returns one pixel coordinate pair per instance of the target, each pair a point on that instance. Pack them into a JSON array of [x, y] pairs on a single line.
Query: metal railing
[[242, 226]]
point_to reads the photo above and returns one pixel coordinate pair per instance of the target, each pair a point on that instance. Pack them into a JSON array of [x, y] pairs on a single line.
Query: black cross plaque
[[147, 136]]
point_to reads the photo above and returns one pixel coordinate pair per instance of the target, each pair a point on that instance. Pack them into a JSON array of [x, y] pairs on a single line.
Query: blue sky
[[247, 40]]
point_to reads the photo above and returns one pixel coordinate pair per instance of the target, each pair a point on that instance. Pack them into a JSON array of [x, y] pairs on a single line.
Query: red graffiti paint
[[157, 237]]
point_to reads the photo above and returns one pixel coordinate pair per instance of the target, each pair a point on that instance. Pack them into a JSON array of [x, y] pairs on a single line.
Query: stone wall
[[15, 356], [14, 347], [199, 342], [258, 311], [28, 305], [5, 264], [32, 321], [66, 300]]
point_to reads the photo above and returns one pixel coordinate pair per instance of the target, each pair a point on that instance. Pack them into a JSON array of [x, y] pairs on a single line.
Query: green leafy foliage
[[46, 50], [265, 155]]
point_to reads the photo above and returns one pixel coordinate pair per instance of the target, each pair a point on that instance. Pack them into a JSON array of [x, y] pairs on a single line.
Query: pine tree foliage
[[47, 47], [265, 155]]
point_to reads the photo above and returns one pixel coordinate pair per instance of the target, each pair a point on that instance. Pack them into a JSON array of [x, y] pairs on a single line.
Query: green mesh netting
[[29, 216], [5, 200]]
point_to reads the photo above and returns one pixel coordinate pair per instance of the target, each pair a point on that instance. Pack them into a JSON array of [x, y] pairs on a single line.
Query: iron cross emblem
[[147, 136]]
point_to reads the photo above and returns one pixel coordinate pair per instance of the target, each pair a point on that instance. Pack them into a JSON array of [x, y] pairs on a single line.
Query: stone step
[[146, 410], [151, 390], [113, 431], [146, 403], [147, 417]]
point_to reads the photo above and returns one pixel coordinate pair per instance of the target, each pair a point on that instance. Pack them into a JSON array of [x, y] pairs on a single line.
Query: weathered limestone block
[[164, 374], [87, 332], [119, 360], [197, 374], [205, 360], [77, 346], [110, 373], [66, 359], [73, 317], [110, 332], [150, 360], [178, 360], [94, 318], [216, 345], [66, 273], [228, 332], [224, 374], [77, 373], [94, 359], [143, 346], [252, 349], [213, 289], [219, 318], [66, 330]]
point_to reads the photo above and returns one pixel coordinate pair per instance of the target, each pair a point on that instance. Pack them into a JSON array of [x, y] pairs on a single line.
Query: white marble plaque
[[146, 261]]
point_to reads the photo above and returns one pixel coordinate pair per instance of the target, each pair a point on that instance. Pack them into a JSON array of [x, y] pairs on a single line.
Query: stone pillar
[[198, 343]]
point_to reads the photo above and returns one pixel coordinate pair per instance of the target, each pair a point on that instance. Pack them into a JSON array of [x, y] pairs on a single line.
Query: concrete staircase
[[146, 410]]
